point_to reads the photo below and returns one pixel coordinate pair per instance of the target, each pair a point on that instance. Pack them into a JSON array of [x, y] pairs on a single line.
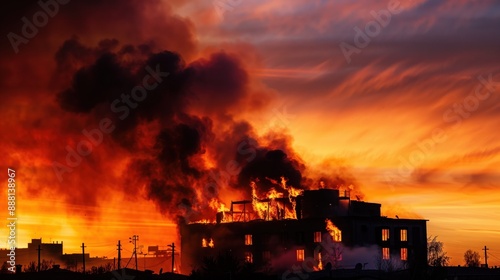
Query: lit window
[[404, 235], [300, 255], [404, 254], [249, 257], [385, 234], [266, 255], [204, 243], [317, 236], [248, 239], [385, 253]]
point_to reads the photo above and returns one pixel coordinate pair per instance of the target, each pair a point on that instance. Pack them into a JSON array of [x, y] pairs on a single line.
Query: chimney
[[19, 268], [219, 217]]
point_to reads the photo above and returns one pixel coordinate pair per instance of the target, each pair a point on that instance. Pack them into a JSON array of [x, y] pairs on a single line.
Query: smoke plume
[[173, 122]]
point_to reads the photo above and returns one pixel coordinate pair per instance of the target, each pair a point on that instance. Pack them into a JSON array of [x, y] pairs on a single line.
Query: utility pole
[[173, 252], [119, 255], [485, 256], [134, 240], [83, 257], [39, 249]]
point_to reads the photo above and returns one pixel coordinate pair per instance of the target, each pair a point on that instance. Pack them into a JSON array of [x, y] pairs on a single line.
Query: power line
[[495, 257]]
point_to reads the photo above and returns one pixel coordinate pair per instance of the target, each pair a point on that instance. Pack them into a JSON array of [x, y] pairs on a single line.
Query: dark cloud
[[104, 81]]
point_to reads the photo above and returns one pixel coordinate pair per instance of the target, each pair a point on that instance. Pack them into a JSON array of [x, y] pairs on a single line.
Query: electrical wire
[[495, 257]]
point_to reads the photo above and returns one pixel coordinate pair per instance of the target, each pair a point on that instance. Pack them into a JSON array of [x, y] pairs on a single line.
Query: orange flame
[[292, 193], [334, 231], [320, 262], [202, 221], [206, 244], [219, 207], [273, 208], [266, 209]]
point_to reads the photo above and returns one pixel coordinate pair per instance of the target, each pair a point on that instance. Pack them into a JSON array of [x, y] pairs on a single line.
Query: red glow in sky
[[400, 97]]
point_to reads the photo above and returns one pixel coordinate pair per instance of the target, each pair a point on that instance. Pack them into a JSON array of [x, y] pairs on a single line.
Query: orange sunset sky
[[398, 98]]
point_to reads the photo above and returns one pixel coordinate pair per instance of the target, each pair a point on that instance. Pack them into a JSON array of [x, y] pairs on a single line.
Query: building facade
[[330, 231]]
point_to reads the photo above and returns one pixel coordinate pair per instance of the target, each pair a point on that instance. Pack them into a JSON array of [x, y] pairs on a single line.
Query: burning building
[[327, 229]]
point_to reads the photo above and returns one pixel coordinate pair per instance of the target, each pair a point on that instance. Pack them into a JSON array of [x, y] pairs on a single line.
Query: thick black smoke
[[185, 116], [174, 167], [268, 168]]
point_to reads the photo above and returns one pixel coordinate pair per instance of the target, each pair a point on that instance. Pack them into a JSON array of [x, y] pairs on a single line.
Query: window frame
[[386, 253], [403, 237], [317, 236], [300, 255], [386, 234], [404, 254], [248, 239], [248, 257]]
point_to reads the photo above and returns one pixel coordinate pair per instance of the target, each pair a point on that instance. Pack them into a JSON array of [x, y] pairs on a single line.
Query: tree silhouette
[[31, 267], [101, 269], [472, 258], [436, 256], [5, 269], [44, 265]]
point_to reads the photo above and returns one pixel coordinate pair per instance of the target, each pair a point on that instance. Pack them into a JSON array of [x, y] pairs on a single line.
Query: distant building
[[329, 230], [49, 251], [155, 259]]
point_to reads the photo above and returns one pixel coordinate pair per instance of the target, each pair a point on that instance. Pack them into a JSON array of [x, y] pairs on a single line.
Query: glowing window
[[385, 254], [204, 243], [404, 235], [248, 239], [385, 234], [249, 257], [404, 254], [317, 236], [300, 255], [266, 255]]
